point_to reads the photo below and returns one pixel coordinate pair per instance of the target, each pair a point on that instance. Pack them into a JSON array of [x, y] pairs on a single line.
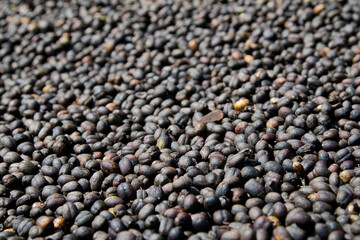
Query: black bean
[[166, 224], [69, 211], [281, 232], [36, 231], [295, 232], [99, 222], [57, 235], [343, 198], [299, 217], [335, 235], [84, 218], [55, 200], [126, 235], [24, 227], [248, 116], [146, 211], [96, 180], [176, 233], [182, 182], [152, 222], [254, 188], [355, 227], [70, 236], [222, 217], [83, 232], [200, 222], [319, 207], [97, 207], [126, 191]]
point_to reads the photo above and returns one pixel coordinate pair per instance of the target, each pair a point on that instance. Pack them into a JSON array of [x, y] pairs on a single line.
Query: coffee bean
[[182, 182], [254, 188], [55, 200], [125, 191], [199, 222], [172, 121]]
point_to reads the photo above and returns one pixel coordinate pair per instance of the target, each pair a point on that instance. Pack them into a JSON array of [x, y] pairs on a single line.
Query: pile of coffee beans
[[144, 119]]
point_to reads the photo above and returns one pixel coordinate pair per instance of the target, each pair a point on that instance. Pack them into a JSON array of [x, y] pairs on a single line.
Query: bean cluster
[[144, 119]]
